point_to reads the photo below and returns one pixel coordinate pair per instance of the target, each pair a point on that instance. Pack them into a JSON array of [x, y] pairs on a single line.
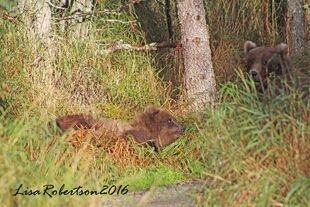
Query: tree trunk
[[37, 15], [296, 21], [81, 28], [199, 75], [37, 18]]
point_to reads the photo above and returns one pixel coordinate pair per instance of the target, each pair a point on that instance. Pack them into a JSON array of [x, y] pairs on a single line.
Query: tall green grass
[[248, 151]]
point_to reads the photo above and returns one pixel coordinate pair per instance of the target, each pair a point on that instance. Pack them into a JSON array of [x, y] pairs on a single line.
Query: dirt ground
[[179, 195]]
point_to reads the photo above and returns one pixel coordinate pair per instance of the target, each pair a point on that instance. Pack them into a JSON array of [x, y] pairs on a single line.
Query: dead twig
[[118, 21], [86, 15], [120, 45]]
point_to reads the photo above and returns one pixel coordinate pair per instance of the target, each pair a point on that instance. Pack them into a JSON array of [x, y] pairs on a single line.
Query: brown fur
[[153, 126], [261, 62], [77, 121]]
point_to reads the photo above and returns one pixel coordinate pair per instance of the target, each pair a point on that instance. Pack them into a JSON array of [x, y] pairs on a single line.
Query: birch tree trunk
[[296, 21], [81, 28], [37, 17], [199, 75]]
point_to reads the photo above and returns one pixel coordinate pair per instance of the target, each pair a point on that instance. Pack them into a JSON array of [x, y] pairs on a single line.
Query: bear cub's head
[[160, 125], [260, 62]]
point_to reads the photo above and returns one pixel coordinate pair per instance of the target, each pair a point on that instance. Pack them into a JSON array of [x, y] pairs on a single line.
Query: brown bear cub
[[154, 126], [261, 62]]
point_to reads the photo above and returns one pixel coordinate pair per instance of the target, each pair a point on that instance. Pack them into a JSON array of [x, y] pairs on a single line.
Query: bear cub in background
[[261, 62], [154, 127]]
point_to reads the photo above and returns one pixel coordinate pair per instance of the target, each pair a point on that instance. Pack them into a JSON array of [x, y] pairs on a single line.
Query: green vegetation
[[8, 4], [249, 150]]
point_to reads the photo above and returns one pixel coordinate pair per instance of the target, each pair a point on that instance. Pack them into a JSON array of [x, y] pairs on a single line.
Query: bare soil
[[179, 195]]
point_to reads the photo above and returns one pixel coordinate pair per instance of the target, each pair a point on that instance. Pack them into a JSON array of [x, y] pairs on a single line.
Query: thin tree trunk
[[199, 75], [296, 18], [81, 28]]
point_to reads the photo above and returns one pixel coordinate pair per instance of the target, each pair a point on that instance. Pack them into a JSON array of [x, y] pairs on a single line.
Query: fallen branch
[[118, 21], [86, 15], [120, 45]]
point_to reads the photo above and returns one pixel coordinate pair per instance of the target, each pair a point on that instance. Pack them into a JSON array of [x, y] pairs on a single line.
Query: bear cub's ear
[[282, 48], [248, 45], [151, 110]]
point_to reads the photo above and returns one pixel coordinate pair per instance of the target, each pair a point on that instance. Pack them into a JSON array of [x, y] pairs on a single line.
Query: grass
[[249, 150], [8, 4]]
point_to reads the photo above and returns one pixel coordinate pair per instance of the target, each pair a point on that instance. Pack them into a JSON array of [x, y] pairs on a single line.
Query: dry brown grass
[[118, 150], [226, 60]]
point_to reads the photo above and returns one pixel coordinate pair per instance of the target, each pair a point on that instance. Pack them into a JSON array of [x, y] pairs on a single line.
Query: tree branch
[[120, 45], [86, 14]]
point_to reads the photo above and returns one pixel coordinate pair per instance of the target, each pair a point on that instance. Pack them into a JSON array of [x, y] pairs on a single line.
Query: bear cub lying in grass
[[154, 127]]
